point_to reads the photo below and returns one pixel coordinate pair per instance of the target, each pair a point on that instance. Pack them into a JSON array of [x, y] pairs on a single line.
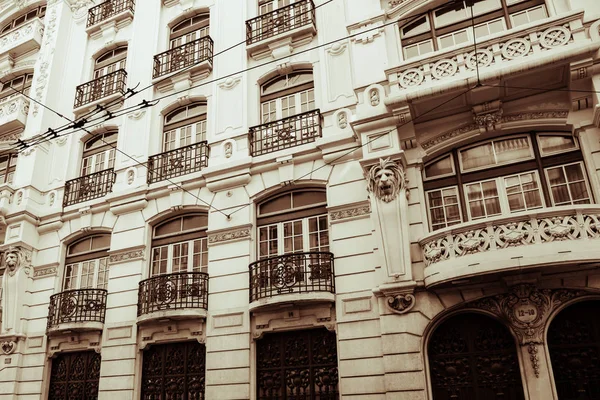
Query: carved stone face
[[11, 260], [386, 182]]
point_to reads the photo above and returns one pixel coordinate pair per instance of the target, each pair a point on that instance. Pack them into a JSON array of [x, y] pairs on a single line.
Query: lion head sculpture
[[386, 179]]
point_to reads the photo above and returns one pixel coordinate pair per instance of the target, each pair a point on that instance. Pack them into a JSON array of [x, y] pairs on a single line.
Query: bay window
[[504, 176], [38, 12], [450, 24]]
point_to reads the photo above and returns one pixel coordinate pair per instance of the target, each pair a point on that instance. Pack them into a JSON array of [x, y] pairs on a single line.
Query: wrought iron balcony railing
[[284, 133], [78, 305], [292, 273], [183, 56], [99, 88], [278, 21], [89, 187], [104, 11], [176, 291], [177, 162]]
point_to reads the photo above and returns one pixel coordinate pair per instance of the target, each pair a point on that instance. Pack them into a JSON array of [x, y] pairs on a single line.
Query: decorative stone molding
[[229, 236], [386, 179], [496, 120], [349, 213], [125, 256], [401, 303], [488, 115], [28, 32], [8, 347], [44, 271], [45, 55]]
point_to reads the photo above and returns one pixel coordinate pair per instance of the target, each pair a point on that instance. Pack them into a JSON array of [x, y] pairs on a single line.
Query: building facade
[[311, 199]]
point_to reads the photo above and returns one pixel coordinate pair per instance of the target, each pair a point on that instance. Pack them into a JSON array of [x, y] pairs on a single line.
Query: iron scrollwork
[[172, 292], [79, 305]]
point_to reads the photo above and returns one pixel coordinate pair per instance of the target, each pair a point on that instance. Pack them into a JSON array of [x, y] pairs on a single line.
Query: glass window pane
[[574, 172], [556, 176], [478, 156], [513, 149], [439, 168], [554, 144]]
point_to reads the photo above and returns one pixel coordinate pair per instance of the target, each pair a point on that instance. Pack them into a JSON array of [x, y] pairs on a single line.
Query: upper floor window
[[180, 245], [21, 83], [86, 264], [8, 165], [287, 95], [189, 30], [110, 61], [99, 153], [38, 12], [451, 25], [266, 6], [293, 222], [185, 126], [504, 176]]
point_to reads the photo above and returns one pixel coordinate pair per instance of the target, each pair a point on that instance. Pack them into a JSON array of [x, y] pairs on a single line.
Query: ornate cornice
[[229, 235], [350, 213]]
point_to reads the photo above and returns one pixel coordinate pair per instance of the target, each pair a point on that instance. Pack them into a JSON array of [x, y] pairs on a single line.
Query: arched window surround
[[99, 152], [109, 61], [185, 125], [86, 262]]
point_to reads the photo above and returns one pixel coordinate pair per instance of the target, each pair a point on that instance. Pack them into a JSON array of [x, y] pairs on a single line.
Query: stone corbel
[[388, 194], [171, 331], [398, 297], [488, 116], [11, 343]]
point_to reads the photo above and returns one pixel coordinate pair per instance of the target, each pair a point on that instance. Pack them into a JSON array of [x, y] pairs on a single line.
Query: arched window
[[110, 61], [185, 126], [86, 264], [180, 245], [189, 30], [20, 83], [38, 12], [287, 95], [474, 357], [574, 346], [504, 176], [293, 222], [450, 24], [99, 153]]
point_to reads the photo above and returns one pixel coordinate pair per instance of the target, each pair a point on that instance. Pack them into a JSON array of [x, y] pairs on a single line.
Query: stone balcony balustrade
[[19, 41], [77, 310], [292, 278], [563, 235], [495, 53], [181, 295], [13, 112]]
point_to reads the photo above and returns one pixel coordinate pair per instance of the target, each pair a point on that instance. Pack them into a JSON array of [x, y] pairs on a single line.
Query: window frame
[[105, 150], [7, 174], [443, 206], [586, 181], [501, 138], [40, 12], [118, 60], [294, 91], [195, 28], [95, 254], [179, 125]]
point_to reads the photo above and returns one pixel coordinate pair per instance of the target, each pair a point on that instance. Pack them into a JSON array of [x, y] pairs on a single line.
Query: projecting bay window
[[451, 24], [505, 176], [21, 83], [38, 12]]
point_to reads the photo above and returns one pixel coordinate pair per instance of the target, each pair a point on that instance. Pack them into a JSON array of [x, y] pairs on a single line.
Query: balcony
[[77, 310], [119, 12], [292, 25], [13, 112], [19, 41], [182, 295], [559, 235], [177, 162], [285, 133], [292, 278], [89, 187], [106, 88], [517, 46], [197, 54]]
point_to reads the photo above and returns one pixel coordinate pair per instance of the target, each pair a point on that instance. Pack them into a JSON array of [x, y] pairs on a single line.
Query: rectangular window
[[568, 185], [87, 274], [300, 235], [552, 144], [420, 25], [489, 28], [523, 192], [453, 38], [483, 199], [440, 168], [529, 15], [417, 49], [444, 208], [496, 152], [188, 256], [460, 10]]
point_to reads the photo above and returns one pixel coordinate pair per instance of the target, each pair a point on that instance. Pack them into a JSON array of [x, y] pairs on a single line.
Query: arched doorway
[[574, 345], [474, 357]]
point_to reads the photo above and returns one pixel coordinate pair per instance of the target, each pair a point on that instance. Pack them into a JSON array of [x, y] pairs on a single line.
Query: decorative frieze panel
[[126, 256], [348, 213], [542, 227], [44, 271], [466, 61], [229, 236]]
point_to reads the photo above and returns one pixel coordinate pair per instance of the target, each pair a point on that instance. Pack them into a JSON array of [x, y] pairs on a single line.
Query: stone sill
[[292, 298], [177, 314], [291, 39], [68, 327]]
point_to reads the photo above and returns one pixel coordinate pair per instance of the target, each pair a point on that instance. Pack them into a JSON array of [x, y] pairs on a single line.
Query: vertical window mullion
[[540, 168], [96, 271], [461, 190], [190, 266], [170, 259], [503, 195], [280, 239]]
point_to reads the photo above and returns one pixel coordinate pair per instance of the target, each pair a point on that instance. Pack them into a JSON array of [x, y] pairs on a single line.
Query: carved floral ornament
[[401, 303], [385, 180]]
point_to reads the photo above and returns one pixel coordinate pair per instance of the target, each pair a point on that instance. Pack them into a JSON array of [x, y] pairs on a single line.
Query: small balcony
[[182, 295], [77, 310], [106, 88], [292, 278], [195, 56], [285, 133], [13, 112], [89, 187], [177, 162], [20, 40], [118, 11], [293, 25], [534, 239]]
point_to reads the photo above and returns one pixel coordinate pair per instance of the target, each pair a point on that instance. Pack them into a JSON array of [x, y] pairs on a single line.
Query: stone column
[[536, 371]]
